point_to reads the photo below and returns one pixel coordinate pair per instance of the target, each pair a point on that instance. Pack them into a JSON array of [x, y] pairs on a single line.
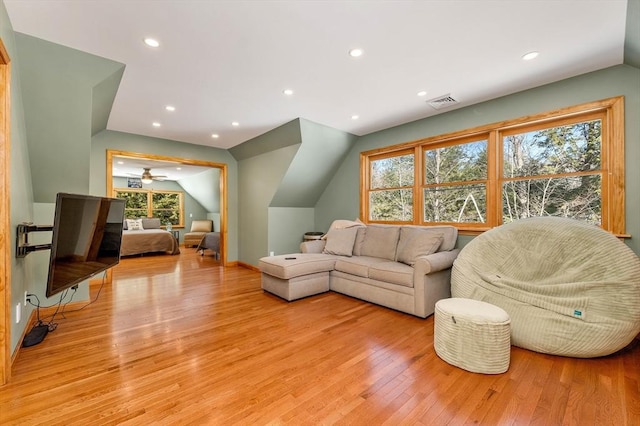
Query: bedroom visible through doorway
[[202, 184]]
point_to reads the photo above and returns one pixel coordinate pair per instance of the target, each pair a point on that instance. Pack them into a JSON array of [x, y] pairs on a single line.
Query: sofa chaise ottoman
[[295, 276]]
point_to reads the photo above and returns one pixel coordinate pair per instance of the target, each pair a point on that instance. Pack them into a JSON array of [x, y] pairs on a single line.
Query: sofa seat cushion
[[295, 265], [392, 272], [358, 265], [339, 281]]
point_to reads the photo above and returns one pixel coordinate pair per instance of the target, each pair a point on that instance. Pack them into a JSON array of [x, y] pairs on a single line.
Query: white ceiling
[[225, 61]]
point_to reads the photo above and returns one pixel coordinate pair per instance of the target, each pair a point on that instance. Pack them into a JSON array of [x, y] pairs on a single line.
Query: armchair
[[198, 230]]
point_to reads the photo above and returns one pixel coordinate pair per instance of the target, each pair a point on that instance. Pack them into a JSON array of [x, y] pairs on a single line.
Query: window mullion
[[418, 182], [149, 203], [494, 179]]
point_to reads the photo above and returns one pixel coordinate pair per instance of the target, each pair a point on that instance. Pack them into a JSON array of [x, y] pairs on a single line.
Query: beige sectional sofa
[[407, 268]]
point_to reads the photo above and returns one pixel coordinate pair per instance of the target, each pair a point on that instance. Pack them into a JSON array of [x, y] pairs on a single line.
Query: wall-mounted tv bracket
[[23, 247]]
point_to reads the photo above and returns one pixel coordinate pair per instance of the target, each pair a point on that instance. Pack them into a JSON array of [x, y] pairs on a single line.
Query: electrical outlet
[[26, 294]]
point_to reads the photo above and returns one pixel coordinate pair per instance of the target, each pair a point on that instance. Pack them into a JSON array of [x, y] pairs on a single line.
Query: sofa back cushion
[[357, 246], [449, 235], [415, 242], [380, 241], [340, 241]]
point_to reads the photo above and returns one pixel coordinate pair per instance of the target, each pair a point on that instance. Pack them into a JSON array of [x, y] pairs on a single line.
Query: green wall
[[259, 178], [317, 159], [21, 189], [108, 139], [340, 199], [282, 174], [58, 88]]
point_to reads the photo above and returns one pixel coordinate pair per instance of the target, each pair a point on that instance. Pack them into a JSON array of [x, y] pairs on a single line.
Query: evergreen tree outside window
[[168, 206]]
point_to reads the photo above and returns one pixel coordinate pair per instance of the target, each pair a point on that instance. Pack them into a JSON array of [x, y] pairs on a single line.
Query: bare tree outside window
[[569, 162], [455, 183], [553, 172], [391, 198]]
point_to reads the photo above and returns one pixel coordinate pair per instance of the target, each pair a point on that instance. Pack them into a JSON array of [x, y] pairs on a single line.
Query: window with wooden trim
[[168, 206], [391, 187], [568, 163], [455, 181]]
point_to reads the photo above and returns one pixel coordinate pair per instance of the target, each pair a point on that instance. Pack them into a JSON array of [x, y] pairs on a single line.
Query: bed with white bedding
[[142, 236]]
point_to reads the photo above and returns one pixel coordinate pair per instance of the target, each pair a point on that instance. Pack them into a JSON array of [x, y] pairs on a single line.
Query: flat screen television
[[87, 233]]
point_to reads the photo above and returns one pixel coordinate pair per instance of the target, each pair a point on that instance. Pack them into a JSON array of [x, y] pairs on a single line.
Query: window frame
[[476, 137], [368, 173], [610, 111], [150, 209]]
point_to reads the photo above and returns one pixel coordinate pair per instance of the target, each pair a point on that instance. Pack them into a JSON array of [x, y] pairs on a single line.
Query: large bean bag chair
[[571, 288]]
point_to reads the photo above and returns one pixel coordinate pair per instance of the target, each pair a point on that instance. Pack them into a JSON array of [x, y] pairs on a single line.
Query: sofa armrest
[[432, 280], [313, 246], [435, 262]]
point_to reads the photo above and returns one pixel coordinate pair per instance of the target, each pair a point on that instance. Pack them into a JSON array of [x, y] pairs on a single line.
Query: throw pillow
[[415, 242], [340, 241], [135, 225], [342, 224]]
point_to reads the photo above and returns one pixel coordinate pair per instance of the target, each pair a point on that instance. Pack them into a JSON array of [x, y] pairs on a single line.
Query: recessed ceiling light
[[235, 124], [151, 42], [422, 93], [355, 117], [178, 168], [529, 56], [215, 136], [170, 108], [356, 52], [155, 124], [288, 92]]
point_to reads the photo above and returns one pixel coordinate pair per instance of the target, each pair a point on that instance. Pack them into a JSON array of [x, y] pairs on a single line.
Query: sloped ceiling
[[204, 188], [319, 156], [61, 90], [632, 36]]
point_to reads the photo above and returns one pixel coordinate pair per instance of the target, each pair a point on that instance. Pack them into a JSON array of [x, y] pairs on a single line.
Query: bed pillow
[[151, 223], [135, 225], [415, 242], [340, 241]]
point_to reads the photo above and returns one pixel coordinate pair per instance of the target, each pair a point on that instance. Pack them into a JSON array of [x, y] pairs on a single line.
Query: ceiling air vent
[[442, 102]]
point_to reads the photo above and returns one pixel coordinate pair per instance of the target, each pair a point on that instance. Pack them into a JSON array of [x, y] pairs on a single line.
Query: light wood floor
[[181, 340]]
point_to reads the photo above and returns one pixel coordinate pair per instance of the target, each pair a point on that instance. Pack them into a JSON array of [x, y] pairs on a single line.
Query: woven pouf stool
[[472, 335]]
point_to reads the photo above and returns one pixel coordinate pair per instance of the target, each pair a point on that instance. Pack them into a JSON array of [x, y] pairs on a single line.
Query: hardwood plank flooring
[[182, 340]]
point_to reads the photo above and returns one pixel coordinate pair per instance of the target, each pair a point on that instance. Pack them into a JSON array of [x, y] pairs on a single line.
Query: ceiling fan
[[147, 177]]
